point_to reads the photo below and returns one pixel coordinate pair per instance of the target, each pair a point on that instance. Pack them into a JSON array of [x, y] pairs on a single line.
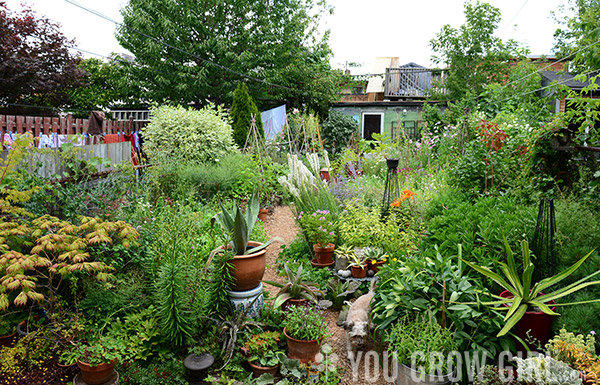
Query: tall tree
[[190, 51], [36, 66], [474, 56], [578, 38]]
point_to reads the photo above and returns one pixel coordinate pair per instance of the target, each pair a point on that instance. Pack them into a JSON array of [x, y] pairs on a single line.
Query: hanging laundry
[[112, 138], [131, 138], [45, 141], [8, 140]]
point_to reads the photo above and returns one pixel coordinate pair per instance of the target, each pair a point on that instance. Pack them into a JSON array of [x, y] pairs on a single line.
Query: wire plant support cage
[[392, 191], [542, 245]]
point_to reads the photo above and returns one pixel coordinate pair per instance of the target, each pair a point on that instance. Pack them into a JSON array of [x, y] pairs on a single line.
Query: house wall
[[392, 115]]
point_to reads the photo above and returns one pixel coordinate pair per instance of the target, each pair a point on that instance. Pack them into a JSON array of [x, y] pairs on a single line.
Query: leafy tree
[[102, 87], [241, 115], [207, 47], [581, 28], [474, 56], [36, 66]]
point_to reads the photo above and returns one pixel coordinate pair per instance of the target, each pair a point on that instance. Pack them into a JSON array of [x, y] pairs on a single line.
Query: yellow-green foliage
[[46, 247], [577, 351], [40, 249]]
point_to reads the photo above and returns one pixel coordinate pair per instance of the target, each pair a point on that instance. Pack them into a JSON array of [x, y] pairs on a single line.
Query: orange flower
[[407, 194], [396, 203]]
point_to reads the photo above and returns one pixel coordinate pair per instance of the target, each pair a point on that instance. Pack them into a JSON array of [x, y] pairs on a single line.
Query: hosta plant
[[525, 294]]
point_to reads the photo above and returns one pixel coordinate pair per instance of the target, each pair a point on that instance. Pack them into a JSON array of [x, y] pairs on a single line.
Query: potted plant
[[319, 228], [248, 263], [97, 359], [304, 329], [295, 291], [526, 305], [8, 327], [342, 254], [415, 344], [374, 257], [392, 156], [263, 352], [578, 351], [358, 266], [546, 370]]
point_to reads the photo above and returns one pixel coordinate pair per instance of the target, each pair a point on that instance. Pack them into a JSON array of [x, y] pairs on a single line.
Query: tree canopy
[[36, 66], [191, 52], [474, 56], [577, 39]]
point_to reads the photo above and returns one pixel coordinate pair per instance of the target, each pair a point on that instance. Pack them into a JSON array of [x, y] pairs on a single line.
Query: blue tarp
[[273, 121]]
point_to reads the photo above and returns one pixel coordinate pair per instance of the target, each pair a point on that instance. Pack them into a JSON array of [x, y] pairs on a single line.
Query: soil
[[281, 223]]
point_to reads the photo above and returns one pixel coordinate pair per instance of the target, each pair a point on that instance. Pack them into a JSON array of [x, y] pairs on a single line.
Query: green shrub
[[178, 134], [240, 116], [337, 130]]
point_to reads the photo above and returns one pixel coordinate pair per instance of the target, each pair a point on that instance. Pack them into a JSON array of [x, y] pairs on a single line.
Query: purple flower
[[593, 332], [324, 230], [320, 227], [300, 216], [332, 233], [314, 214], [301, 212], [322, 218], [325, 212]]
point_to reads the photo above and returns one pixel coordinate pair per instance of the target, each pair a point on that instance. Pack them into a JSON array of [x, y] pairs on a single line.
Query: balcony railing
[[412, 82]]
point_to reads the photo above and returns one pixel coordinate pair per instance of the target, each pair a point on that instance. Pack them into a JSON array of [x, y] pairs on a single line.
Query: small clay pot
[[324, 255], [358, 271], [305, 351], [96, 375], [258, 371]]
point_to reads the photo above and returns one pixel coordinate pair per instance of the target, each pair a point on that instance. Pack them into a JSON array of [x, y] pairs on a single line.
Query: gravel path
[[281, 223]]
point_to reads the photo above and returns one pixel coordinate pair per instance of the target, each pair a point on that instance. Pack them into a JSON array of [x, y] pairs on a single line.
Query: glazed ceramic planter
[[96, 375], [324, 255], [242, 300], [537, 323], [305, 351]]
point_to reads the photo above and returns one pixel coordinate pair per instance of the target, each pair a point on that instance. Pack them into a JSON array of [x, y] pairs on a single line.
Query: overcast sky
[[360, 29]]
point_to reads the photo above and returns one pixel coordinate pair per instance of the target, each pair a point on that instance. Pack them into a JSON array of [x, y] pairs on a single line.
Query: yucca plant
[[525, 294], [294, 288], [240, 225]]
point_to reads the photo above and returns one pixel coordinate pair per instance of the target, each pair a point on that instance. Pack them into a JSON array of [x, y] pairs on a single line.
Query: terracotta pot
[[8, 339], [359, 272], [375, 266], [249, 269], [538, 323], [324, 255], [96, 375], [319, 265], [262, 214], [295, 302], [305, 351], [257, 371]]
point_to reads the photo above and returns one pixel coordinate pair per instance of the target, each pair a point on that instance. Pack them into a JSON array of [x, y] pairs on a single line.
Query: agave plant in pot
[[358, 266], [249, 256], [295, 291], [304, 329], [319, 228], [530, 311], [422, 349]]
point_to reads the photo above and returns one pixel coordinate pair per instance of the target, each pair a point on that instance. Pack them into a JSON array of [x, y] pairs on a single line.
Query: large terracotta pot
[[324, 255], [248, 270], [537, 323], [258, 371], [305, 351], [358, 271], [96, 375]]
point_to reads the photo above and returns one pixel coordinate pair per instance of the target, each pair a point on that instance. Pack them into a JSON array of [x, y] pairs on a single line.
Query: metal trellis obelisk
[[542, 245], [392, 191]]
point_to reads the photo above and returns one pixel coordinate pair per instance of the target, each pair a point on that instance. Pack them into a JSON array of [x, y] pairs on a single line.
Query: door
[[372, 124]]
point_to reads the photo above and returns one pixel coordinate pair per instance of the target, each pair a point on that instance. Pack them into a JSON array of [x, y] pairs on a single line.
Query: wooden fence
[[38, 125]]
